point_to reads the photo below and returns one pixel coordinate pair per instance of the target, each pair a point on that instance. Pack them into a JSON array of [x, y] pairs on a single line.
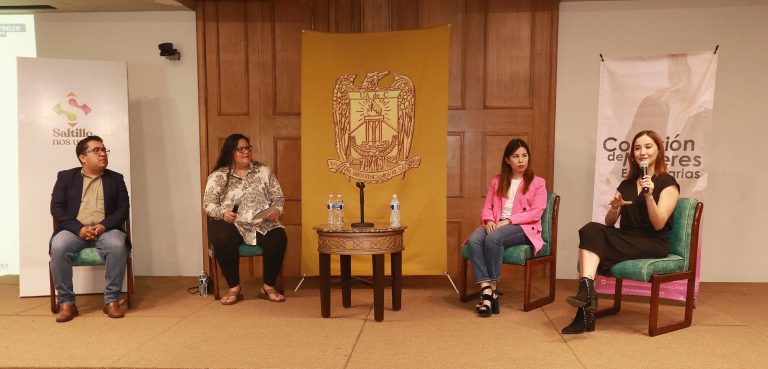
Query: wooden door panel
[[434, 13], [455, 164], [290, 19], [376, 16], [232, 56], [508, 54], [287, 159], [455, 240], [343, 16]]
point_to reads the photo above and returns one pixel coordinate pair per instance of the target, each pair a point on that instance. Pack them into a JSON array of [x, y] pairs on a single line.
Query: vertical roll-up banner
[[672, 95], [374, 108], [61, 102]]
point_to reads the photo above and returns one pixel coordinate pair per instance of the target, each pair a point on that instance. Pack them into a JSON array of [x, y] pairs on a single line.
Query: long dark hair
[[659, 167], [228, 151], [505, 176]]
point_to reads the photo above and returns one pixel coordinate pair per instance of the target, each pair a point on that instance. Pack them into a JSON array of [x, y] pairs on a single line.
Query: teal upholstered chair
[[246, 251], [680, 264], [523, 255], [89, 256]]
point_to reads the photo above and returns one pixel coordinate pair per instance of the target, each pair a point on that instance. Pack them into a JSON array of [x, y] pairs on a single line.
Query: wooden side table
[[345, 242]]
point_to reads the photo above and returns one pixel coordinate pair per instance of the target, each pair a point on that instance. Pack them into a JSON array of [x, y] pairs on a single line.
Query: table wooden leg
[[346, 280], [378, 287], [396, 263], [325, 284]]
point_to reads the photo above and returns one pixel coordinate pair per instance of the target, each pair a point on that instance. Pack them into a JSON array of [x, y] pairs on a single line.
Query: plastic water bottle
[[339, 212], [202, 283], [330, 205], [394, 211]]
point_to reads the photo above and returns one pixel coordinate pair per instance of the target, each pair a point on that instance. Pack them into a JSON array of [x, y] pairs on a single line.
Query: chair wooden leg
[[529, 305], [129, 273], [616, 301], [653, 319], [54, 305], [463, 296], [214, 277]]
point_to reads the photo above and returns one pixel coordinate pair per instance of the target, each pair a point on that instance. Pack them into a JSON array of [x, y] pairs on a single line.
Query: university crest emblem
[[373, 127]]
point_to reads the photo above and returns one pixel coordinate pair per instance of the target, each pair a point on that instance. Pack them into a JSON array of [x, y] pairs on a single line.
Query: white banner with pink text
[[672, 95]]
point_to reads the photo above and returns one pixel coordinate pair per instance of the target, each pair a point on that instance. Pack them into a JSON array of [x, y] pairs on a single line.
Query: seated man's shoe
[[67, 312], [113, 310]]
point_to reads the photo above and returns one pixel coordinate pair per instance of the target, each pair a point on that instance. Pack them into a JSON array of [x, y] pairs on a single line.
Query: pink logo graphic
[[72, 117]]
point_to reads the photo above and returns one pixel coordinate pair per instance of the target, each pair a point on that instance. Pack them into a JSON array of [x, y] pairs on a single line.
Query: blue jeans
[[486, 250], [65, 245]]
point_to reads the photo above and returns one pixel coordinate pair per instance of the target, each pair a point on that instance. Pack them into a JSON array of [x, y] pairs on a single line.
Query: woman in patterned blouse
[[243, 201]]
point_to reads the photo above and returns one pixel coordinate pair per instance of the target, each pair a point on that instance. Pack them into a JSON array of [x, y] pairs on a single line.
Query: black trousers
[[226, 240]]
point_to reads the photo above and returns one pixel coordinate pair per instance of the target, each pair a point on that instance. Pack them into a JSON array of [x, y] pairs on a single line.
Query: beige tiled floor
[[170, 328]]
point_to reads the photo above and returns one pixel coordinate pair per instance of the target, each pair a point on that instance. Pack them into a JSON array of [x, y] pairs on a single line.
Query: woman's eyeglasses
[[244, 149]]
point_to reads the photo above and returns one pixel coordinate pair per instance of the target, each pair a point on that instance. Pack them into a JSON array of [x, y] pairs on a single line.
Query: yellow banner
[[374, 108]]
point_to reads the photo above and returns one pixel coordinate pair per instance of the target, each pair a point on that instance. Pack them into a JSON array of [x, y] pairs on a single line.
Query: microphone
[[235, 208], [644, 168]]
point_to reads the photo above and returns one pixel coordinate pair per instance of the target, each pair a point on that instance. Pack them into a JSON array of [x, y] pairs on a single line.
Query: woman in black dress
[[645, 204]]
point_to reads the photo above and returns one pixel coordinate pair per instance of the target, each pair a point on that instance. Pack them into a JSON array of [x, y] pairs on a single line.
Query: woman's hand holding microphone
[[231, 216]]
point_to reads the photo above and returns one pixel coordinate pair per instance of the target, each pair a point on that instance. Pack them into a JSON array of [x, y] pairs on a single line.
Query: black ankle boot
[[584, 321], [586, 297]]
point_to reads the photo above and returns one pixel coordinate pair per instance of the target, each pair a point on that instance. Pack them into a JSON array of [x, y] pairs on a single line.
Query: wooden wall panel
[[343, 17], [290, 19], [376, 16], [455, 164], [405, 14], [508, 54], [434, 13], [453, 249], [292, 262], [501, 86], [287, 159], [232, 57]]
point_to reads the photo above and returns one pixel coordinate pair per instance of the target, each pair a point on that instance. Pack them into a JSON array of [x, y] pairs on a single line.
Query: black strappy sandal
[[485, 310]]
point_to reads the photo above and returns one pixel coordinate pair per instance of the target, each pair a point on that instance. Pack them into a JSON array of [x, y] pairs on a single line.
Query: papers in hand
[[259, 217]]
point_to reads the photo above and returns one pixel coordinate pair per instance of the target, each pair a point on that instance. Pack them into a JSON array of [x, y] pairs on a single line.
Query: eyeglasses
[[97, 151], [244, 149]]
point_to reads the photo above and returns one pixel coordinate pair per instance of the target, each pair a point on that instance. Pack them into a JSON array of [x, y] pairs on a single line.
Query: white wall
[[164, 133], [735, 220]]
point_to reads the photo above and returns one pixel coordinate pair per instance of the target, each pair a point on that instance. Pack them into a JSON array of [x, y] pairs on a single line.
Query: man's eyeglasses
[[97, 151], [244, 149]]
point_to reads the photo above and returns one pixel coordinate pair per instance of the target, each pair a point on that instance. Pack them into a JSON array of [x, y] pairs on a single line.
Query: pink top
[[526, 211]]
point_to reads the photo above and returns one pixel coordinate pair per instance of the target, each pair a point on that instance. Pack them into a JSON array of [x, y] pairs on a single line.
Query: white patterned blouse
[[255, 192]]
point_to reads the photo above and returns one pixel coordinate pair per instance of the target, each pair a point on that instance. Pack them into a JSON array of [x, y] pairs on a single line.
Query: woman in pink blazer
[[511, 216]]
